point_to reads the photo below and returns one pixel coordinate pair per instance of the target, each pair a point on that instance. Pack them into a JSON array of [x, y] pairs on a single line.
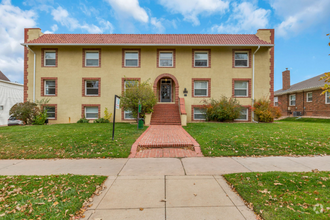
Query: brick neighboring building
[[302, 99]]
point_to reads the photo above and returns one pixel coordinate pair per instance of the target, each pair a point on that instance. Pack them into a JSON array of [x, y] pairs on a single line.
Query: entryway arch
[[167, 75]]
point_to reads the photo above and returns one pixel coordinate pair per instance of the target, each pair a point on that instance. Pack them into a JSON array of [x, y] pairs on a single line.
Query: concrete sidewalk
[[165, 188]]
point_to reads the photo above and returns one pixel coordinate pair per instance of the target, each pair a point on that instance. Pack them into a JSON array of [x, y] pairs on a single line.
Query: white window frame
[[92, 51], [247, 89], [98, 88], [327, 94], [275, 100], [307, 97], [49, 51], [247, 64], [164, 51], [92, 107], [247, 116], [132, 51], [45, 87], [51, 112], [290, 100], [201, 59], [207, 88], [126, 112], [198, 114]]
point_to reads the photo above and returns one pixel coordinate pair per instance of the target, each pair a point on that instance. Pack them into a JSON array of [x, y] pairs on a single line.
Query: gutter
[[253, 84], [34, 74], [196, 45]]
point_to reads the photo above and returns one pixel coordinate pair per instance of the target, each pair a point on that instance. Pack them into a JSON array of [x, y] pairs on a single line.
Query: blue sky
[[300, 26]]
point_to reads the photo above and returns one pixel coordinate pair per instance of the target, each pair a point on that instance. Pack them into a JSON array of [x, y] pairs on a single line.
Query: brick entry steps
[[165, 141], [166, 114]]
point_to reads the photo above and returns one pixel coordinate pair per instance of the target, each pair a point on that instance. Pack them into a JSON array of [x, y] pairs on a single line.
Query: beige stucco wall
[[70, 73]]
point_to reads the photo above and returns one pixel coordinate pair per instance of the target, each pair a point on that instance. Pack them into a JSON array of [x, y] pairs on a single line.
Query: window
[[309, 97], [92, 58], [292, 100], [200, 88], [132, 59], [50, 112], [1, 107], [327, 98], [50, 87], [241, 59], [276, 101], [130, 83], [201, 59], [241, 88], [244, 115], [166, 59], [128, 115], [50, 58], [199, 114], [92, 87], [91, 112]]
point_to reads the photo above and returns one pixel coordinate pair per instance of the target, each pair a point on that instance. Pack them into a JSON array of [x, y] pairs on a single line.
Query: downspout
[[253, 83], [34, 74]]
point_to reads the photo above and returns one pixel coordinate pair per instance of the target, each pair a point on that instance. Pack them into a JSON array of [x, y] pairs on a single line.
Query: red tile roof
[[3, 77], [156, 39]]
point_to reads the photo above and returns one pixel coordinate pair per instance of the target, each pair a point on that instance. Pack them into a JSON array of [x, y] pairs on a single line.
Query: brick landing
[[165, 141]]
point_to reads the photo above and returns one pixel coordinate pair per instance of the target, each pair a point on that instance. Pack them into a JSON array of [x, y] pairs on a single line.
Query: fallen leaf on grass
[[278, 184]]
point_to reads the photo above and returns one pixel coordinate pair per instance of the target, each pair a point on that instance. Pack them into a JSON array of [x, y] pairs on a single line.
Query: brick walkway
[[165, 141]]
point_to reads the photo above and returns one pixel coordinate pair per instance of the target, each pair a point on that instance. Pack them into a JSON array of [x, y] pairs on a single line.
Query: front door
[[165, 90]]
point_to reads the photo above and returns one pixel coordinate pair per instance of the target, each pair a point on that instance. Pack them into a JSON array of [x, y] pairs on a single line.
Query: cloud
[[129, 8], [157, 24], [54, 28], [245, 17], [191, 9], [63, 17], [299, 15], [13, 20]]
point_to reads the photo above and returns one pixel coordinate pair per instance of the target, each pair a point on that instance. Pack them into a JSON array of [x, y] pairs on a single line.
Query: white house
[[10, 94]]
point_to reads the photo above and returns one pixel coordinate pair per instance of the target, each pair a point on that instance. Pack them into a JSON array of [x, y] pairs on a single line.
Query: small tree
[[25, 111], [42, 116], [136, 93], [265, 111], [107, 115], [222, 109]]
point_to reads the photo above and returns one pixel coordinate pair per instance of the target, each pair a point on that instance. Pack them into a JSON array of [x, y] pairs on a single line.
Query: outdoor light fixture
[[185, 92]]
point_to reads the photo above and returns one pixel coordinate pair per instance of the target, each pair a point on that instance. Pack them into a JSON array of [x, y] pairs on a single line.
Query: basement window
[[244, 115], [92, 112], [50, 112], [199, 114]]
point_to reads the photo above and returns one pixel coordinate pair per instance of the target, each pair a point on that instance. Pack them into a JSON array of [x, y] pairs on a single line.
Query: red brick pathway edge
[[136, 143]]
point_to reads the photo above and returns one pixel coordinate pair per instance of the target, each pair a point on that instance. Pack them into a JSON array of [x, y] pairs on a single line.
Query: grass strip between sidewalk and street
[[46, 197], [261, 139], [67, 141], [283, 195]]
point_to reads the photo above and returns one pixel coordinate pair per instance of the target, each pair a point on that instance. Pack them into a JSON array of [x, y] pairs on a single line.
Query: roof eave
[[299, 90], [13, 83], [195, 45]]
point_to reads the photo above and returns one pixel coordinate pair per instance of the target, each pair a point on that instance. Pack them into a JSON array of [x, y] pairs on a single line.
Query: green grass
[[67, 141], [282, 195], [246, 139], [298, 119], [45, 197]]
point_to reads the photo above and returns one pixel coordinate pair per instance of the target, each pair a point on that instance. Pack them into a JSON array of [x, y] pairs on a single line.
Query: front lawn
[[281, 195], [45, 197], [67, 141], [247, 139]]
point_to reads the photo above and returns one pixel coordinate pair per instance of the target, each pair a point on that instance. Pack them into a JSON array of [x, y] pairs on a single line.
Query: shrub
[[25, 111], [136, 93], [222, 109], [101, 120], [265, 111], [107, 115], [83, 120], [40, 119]]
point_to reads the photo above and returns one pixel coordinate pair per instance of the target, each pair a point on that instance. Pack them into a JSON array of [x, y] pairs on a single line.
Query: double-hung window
[[241, 59], [166, 59], [292, 100], [327, 98], [243, 115], [127, 84], [50, 87], [91, 87], [50, 58], [91, 112], [199, 114], [275, 101], [309, 97], [50, 112], [131, 59], [92, 58], [201, 59], [241, 89], [201, 88]]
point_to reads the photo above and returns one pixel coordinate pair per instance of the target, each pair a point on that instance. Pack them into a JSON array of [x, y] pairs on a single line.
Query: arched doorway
[[161, 88]]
